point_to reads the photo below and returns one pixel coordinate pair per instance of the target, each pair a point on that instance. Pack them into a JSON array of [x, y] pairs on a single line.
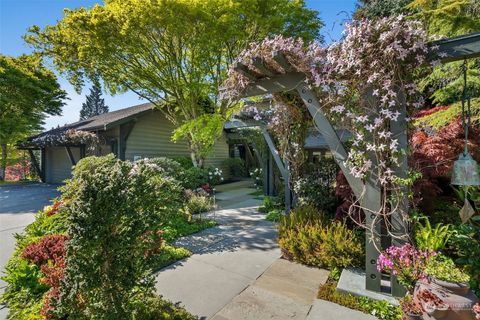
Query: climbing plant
[[361, 83]]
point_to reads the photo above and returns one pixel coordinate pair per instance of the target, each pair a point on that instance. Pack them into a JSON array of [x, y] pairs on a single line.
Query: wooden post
[[270, 176], [36, 165], [124, 132], [70, 155], [281, 166], [368, 194], [398, 218]]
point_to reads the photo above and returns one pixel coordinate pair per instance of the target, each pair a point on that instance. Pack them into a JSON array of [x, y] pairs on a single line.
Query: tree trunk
[[3, 162]]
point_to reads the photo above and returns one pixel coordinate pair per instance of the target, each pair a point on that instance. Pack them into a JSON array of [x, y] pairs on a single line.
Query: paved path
[[18, 204]]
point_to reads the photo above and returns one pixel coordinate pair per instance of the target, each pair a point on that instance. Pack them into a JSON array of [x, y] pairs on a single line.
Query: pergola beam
[[243, 69], [457, 48], [260, 65], [279, 83], [330, 135], [280, 58]]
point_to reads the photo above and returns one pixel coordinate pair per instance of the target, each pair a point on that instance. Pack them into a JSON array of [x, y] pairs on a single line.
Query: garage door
[[58, 166]]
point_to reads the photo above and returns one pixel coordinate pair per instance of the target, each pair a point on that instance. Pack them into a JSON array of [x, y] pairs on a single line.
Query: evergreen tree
[[94, 105]]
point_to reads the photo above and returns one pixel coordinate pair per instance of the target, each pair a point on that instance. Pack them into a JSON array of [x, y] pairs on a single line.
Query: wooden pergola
[[369, 193]]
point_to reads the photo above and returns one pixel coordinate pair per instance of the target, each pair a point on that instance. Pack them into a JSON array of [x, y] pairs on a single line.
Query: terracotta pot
[[436, 311], [460, 288], [407, 316]]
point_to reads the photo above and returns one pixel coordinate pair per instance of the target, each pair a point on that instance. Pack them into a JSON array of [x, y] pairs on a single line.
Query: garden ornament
[[465, 169]]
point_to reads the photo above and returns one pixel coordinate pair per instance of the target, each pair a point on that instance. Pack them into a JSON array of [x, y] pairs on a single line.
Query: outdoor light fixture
[[465, 169]]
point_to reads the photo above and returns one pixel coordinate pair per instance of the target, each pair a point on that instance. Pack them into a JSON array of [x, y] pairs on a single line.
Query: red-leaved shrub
[[433, 156], [49, 254], [18, 171]]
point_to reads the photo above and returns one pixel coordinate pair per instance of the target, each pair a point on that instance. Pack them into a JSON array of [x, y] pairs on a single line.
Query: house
[[132, 133]]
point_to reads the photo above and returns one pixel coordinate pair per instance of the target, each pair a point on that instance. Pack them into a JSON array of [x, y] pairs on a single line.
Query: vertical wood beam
[[70, 155], [371, 200], [270, 176], [368, 193], [281, 167], [330, 135], [124, 133], [36, 165], [398, 218]]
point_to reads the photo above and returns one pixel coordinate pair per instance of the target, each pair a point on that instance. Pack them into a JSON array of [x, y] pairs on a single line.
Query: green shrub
[[114, 210], [304, 236], [178, 227], [24, 292], [154, 307], [380, 309], [466, 244], [275, 215], [257, 176], [317, 186], [185, 162], [198, 204], [164, 166], [168, 255], [443, 268], [434, 238], [269, 204], [236, 167]]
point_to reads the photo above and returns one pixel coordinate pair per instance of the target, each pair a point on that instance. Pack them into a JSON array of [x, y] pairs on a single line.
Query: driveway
[[18, 204]]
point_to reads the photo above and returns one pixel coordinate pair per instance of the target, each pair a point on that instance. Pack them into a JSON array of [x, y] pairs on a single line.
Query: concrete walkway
[[236, 272], [226, 259]]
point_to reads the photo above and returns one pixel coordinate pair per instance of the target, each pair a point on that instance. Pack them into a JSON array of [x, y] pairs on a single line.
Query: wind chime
[[465, 169]]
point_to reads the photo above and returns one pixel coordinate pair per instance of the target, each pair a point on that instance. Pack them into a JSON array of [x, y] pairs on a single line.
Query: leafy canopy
[[28, 93], [173, 53]]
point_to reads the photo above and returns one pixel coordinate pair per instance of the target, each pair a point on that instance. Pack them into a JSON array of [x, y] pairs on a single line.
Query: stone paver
[[286, 290], [227, 259], [326, 310]]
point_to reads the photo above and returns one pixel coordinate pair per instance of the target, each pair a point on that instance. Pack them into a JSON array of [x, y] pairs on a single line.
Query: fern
[[433, 238]]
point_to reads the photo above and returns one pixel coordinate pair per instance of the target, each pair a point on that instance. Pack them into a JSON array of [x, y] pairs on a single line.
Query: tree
[[28, 93], [94, 105], [174, 54]]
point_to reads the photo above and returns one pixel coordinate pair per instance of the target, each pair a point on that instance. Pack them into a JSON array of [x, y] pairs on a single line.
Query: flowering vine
[[362, 83]]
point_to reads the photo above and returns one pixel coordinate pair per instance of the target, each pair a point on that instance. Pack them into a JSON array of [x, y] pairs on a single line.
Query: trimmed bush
[[236, 167], [114, 210], [306, 237]]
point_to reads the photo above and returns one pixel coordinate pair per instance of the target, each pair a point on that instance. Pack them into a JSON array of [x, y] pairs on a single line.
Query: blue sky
[[16, 16]]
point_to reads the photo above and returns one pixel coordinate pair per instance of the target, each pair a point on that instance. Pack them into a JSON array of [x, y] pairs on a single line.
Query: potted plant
[[442, 271], [406, 263], [432, 304], [410, 309]]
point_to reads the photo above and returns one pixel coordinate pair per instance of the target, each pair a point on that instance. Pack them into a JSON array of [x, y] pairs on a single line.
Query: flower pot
[[459, 288], [407, 316], [437, 311]]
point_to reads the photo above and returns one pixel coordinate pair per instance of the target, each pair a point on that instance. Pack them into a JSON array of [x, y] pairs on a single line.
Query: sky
[[16, 16]]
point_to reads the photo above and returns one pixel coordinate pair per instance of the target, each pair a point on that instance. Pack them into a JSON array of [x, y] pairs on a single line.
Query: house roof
[[99, 122], [315, 140]]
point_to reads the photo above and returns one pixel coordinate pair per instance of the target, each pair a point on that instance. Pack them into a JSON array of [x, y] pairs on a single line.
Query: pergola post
[[369, 194], [281, 167]]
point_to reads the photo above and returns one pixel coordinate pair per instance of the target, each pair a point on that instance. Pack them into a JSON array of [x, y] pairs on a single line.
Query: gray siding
[[57, 165], [150, 137]]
